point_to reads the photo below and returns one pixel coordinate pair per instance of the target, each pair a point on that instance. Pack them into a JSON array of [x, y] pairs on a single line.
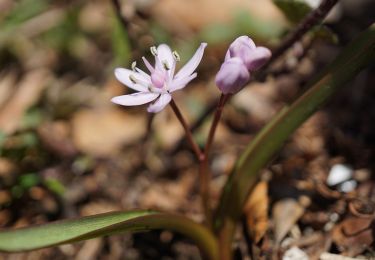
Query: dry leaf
[[91, 249], [353, 235], [285, 214], [169, 195], [27, 94], [6, 86], [103, 131], [56, 137], [256, 211], [182, 16]]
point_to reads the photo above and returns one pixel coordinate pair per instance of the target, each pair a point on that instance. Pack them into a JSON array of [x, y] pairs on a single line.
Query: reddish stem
[[198, 152]]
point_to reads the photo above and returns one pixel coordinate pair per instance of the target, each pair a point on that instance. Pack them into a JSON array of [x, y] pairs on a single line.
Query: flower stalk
[[189, 136]]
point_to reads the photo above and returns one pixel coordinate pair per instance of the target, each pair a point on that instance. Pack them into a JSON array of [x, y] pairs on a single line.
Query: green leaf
[[29, 180], [55, 186], [23, 11], [359, 54], [120, 43], [73, 230], [294, 10]]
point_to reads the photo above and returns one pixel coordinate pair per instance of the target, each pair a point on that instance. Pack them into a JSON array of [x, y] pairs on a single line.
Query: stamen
[[165, 64], [154, 51], [134, 64], [133, 79], [176, 56]]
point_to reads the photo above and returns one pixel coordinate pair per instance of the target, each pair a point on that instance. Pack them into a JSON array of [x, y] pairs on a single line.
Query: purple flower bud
[[232, 76], [241, 47], [242, 57], [256, 58]]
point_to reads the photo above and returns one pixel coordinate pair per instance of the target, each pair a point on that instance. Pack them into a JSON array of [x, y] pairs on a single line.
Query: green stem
[[261, 150]]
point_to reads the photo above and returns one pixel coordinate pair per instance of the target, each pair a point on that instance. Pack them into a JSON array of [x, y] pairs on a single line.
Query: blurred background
[[67, 151]]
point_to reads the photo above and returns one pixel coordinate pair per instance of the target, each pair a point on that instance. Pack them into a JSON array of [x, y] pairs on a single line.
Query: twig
[[150, 119], [313, 18]]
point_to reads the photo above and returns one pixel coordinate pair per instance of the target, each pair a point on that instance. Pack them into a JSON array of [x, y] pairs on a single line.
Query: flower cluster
[[242, 58], [161, 82]]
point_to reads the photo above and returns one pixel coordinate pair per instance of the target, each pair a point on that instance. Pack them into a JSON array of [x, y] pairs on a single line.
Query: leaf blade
[[74, 230], [59, 232]]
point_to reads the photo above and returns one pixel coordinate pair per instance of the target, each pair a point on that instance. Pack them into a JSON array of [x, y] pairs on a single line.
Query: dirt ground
[[67, 151]]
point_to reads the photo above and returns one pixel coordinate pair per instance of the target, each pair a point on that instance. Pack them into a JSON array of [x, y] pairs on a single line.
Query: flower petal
[[227, 55], [232, 76], [160, 103], [257, 58], [240, 42], [193, 63], [148, 65], [164, 54], [144, 74], [123, 75], [135, 99], [180, 83]]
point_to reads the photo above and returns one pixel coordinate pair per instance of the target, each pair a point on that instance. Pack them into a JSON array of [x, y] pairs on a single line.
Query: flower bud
[[232, 76], [242, 58], [256, 58], [241, 46]]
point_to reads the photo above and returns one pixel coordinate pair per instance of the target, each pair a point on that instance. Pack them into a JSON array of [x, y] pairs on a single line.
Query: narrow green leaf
[[73, 230], [271, 138], [120, 43]]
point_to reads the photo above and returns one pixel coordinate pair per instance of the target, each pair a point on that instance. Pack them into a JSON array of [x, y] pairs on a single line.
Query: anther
[[165, 64], [176, 56], [154, 51], [133, 79], [134, 64]]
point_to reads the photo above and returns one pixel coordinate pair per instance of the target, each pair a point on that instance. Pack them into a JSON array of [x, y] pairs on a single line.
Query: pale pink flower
[[242, 58], [162, 81]]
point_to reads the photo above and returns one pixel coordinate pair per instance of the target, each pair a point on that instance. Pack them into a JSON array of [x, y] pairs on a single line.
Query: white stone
[[295, 253], [338, 174], [348, 186]]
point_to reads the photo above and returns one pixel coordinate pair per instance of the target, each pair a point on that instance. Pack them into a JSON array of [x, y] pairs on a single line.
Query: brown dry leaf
[[257, 100], [256, 211], [27, 94], [56, 136], [167, 128], [7, 168], [328, 256], [168, 196], [353, 235], [90, 249], [103, 131], [285, 214], [309, 138], [98, 207], [7, 82], [182, 16]]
